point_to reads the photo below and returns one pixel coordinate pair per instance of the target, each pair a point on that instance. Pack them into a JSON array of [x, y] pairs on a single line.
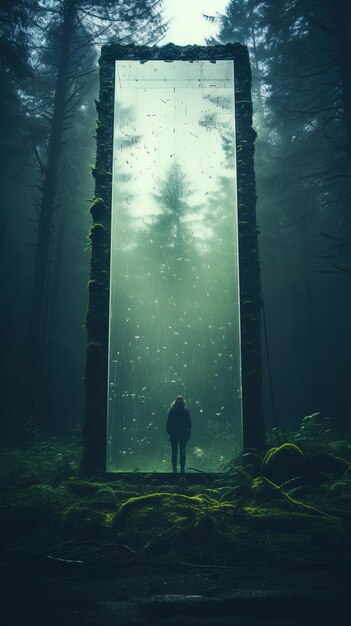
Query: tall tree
[[124, 19], [39, 304], [16, 74], [302, 51], [169, 231]]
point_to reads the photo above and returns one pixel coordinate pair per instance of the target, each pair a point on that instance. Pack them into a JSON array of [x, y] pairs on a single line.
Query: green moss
[[283, 463], [150, 515], [83, 487], [168, 523], [267, 494], [105, 498], [98, 209], [82, 519], [264, 490], [297, 534], [97, 232]]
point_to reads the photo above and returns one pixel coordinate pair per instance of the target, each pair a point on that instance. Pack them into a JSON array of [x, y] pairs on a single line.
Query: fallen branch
[[67, 561], [166, 534]]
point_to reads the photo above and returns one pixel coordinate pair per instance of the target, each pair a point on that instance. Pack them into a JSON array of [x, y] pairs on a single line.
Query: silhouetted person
[[179, 431]]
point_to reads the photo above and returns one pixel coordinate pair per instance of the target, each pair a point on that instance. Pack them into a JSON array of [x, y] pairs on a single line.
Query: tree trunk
[[342, 13], [43, 260], [49, 379]]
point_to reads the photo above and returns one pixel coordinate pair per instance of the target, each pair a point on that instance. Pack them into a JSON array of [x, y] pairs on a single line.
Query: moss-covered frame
[[97, 321]]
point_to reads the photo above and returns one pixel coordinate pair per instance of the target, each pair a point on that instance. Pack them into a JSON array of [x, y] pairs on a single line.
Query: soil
[[54, 592]]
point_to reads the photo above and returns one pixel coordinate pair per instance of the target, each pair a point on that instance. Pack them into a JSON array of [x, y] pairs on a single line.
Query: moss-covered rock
[[283, 463], [105, 498], [149, 515], [265, 493]]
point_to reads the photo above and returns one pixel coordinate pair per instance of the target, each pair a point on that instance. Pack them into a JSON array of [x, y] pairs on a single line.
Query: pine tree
[[125, 20]]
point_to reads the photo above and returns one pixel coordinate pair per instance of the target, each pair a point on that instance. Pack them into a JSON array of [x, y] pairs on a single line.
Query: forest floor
[[235, 548], [247, 594]]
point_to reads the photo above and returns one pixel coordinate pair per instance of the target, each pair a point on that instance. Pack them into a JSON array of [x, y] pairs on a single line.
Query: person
[[179, 431]]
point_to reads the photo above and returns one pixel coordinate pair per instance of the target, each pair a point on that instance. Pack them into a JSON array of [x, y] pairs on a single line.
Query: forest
[[301, 99], [268, 535]]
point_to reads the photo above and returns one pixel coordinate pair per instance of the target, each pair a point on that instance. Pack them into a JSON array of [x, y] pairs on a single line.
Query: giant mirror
[[174, 295]]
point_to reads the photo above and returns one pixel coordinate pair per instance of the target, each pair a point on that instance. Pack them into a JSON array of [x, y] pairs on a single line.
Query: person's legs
[[174, 444], [182, 446]]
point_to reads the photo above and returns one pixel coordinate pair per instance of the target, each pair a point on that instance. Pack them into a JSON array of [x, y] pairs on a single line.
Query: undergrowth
[[50, 510]]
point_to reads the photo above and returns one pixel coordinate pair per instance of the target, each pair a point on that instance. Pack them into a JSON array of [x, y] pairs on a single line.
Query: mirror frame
[[97, 318]]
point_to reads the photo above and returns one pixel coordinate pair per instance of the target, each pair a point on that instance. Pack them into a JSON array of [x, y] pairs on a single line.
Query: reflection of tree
[[126, 140], [221, 203], [170, 236], [220, 119], [221, 277]]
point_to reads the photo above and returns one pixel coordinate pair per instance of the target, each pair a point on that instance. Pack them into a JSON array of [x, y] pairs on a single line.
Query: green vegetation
[[50, 509], [282, 463], [97, 232]]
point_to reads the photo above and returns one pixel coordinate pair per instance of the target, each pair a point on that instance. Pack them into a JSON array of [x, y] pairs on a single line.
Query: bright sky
[[188, 25]]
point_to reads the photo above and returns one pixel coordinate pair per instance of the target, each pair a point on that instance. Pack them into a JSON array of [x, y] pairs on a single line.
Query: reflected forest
[[174, 311]]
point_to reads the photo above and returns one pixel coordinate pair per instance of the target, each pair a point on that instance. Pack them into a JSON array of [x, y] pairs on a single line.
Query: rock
[[283, 463]]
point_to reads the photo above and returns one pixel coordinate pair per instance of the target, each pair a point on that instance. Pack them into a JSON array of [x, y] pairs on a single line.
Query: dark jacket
[[179, 423]]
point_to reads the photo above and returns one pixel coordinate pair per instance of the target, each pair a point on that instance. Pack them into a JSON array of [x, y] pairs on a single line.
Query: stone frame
[[97, 319]]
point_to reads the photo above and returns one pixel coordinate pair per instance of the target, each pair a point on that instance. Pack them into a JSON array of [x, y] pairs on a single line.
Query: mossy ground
[[51, 511]]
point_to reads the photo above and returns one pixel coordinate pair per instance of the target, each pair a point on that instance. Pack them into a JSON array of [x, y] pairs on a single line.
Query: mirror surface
[[174, 283]]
